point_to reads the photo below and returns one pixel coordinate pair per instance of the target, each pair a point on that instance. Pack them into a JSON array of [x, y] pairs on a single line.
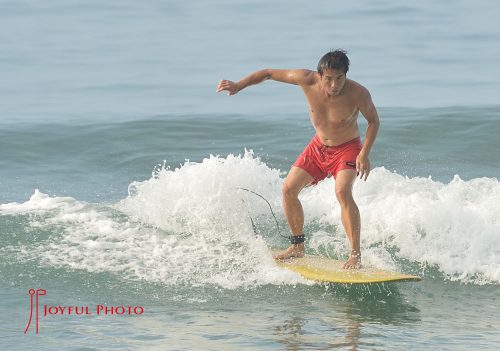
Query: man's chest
[[337, 111]]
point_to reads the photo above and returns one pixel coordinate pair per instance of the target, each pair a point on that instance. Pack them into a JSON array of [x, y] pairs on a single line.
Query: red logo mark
[[37, 293]]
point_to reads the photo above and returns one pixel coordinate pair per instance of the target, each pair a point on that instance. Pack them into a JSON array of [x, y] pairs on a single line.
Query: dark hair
[[334, 60]]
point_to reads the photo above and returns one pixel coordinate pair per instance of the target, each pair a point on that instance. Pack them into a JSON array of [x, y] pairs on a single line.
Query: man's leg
[[296, 180], [349, 214]]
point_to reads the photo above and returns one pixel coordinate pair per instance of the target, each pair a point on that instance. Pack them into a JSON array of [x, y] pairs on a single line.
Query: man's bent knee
[[344, 195], [289, 192]]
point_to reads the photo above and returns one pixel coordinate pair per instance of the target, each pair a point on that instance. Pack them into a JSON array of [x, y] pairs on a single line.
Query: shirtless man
[[336, 149]]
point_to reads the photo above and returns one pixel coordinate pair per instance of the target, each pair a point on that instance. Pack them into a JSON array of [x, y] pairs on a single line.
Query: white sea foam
[[187, 226], [190, 226], [453, 226]]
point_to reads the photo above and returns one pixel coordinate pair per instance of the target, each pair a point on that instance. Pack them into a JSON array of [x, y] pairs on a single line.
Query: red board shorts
[[320, 160]]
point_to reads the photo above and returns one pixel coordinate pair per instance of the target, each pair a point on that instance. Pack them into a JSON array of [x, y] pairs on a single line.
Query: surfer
[[335, 102]]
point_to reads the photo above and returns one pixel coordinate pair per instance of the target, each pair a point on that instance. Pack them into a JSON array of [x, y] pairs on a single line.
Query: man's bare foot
[[296, 250], [354, 262]]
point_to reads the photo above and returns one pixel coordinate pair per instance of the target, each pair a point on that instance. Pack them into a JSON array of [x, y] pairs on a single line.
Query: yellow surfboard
[[327, 270]]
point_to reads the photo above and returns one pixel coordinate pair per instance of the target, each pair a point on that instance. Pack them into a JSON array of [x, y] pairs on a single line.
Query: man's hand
[[363, 166], [229, 86]]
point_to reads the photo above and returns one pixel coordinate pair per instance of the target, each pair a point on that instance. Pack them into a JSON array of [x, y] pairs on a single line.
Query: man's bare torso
[[335, 118]]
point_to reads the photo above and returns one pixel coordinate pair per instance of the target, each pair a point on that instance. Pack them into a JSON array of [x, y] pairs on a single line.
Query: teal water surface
[[120, 170]]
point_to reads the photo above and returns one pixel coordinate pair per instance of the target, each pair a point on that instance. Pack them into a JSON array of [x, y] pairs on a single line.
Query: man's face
[[333, 81]]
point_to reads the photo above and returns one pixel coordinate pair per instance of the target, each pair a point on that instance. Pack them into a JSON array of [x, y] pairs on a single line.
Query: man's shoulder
[[358, 90], [306, 76], [357, 87]]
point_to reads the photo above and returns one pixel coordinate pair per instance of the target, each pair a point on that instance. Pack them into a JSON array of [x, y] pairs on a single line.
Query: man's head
[[332, 68], [334, 60]]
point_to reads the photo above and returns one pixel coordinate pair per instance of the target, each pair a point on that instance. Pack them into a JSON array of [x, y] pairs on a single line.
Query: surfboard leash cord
[[254, 227]]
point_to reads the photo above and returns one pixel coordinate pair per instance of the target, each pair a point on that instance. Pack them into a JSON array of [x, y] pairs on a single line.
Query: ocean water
[[121, 172]]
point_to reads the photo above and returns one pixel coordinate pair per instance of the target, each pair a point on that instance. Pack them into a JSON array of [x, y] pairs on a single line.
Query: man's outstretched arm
[[291, 76]]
